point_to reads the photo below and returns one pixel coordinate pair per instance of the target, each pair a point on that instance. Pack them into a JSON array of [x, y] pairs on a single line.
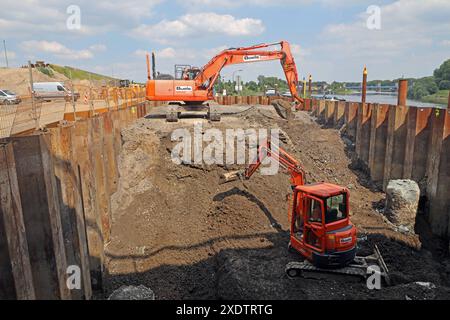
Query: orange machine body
[[328, 240], [319, 215], [198, 86], [176, 90]]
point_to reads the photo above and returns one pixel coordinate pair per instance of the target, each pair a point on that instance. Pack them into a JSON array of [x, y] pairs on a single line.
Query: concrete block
[[402, 201]]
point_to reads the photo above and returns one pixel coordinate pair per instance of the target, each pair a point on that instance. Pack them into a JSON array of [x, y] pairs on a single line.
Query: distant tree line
[[418, 88], [253, 87]]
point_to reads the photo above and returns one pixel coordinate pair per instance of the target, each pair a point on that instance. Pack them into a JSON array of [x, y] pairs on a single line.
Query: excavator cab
[[186, 72], [321, 230]]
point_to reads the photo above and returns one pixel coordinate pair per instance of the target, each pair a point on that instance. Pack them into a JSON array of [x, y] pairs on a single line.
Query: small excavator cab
[[320, 225]]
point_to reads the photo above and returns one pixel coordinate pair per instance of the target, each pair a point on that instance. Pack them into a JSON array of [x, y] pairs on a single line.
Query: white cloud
[[35, 17], [56, 49], [140, 53], [231, 4], [11, 55], [199, 24], [210, 53], [403, 46], [168, 53], [167, 57], [136, 9], [405, 24], [299, 51], [190, 55], [98, 47], [239, 3]]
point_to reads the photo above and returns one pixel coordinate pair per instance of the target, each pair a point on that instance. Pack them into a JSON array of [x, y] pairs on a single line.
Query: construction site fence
[[31, 114]]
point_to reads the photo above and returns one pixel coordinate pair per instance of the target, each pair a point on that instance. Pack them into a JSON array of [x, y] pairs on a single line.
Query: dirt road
[[180, 233]]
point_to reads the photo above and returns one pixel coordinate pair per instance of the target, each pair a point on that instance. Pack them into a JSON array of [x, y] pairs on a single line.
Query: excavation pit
[[177, 231]]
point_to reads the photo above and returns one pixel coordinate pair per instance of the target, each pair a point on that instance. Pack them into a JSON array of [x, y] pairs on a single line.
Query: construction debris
[[132, 293]]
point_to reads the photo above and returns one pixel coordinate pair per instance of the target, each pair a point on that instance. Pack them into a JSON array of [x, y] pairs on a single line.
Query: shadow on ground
[[242, 274]]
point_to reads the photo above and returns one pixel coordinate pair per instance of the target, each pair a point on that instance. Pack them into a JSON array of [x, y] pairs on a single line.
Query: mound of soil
[[18, 79]]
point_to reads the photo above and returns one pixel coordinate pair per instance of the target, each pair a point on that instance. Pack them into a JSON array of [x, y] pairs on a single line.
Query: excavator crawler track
[[213, 115], [359, 268], [306, 269]]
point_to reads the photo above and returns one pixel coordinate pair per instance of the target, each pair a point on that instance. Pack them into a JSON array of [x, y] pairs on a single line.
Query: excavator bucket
[[231, 176], [283, 108]]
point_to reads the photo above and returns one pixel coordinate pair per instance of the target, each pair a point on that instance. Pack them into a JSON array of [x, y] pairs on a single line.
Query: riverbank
[[391, 99], [440, 97]]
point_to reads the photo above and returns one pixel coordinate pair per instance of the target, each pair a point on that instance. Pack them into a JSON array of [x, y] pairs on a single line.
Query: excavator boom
[[270, 150]]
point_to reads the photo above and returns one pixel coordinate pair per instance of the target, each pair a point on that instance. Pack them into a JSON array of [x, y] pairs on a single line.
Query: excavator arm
[[208, 75], [285, 160]]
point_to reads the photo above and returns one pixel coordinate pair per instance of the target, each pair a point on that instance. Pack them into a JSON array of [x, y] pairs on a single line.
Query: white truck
[[53, 90]]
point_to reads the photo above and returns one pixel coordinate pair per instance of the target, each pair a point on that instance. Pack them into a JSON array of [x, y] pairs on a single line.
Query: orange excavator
[[192, 87], [319, 217]]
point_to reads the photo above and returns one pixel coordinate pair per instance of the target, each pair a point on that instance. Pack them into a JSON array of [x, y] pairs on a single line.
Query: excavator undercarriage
[[360, 268], [176, 109]]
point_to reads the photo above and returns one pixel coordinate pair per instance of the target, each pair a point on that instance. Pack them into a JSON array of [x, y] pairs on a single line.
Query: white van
[[53, 90]]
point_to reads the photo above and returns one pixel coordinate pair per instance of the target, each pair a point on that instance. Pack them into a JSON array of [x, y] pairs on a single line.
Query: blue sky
[[330, 39]]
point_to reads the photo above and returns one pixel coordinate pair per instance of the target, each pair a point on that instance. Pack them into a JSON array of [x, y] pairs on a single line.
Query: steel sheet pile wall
[[55, 210], [399, 142]]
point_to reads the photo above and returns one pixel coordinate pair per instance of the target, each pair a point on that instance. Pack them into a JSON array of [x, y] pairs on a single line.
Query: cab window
[[60, 88], [315, 211], [336, 208]]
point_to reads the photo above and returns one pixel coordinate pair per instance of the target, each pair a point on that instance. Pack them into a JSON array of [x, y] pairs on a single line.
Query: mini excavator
[[319, 216], [192, 87]]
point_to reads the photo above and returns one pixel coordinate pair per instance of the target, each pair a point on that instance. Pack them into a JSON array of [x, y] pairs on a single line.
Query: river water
[[386, 99]]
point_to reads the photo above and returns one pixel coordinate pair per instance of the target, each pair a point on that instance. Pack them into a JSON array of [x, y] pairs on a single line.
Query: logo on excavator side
[[183, 89], [252, 58]]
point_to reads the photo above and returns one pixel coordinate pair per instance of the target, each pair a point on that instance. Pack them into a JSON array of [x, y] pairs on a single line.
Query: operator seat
[[332, 215]]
